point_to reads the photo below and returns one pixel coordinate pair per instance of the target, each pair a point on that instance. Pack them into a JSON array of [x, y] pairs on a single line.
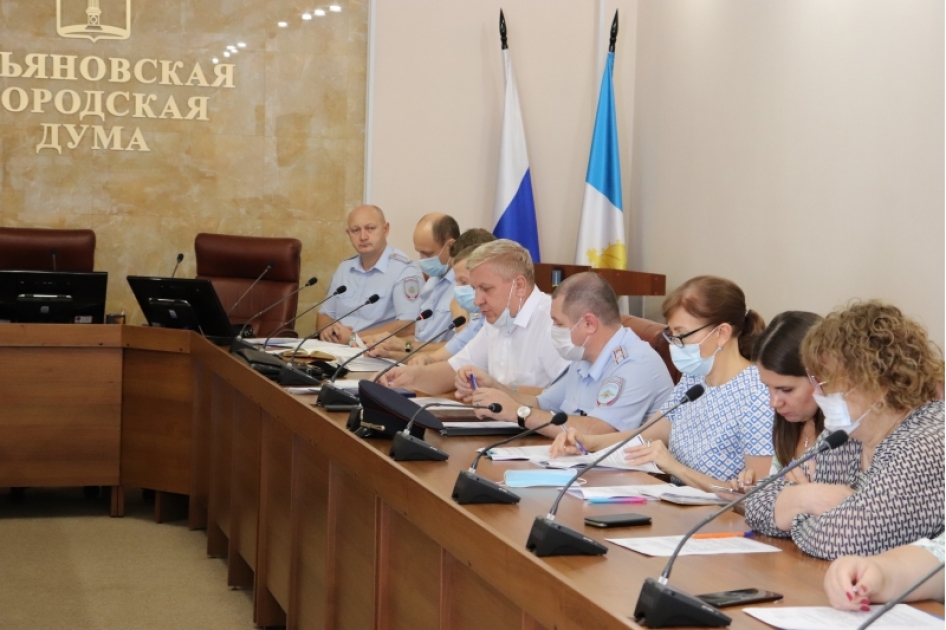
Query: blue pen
[[581, 447], [473, 382]]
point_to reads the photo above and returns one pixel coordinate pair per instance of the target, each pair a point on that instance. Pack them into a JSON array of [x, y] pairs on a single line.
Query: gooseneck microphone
[[406, 447], [180, 257], [269, 266], [456, 323], [661, 605], [549, 538], [471, 488], [52, 254], [293, 319], [289, 375], [311, 281], [331, 395], [899, 598]]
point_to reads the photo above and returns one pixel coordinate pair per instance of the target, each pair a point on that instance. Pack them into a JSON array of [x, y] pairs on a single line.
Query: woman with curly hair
[[876, 376]]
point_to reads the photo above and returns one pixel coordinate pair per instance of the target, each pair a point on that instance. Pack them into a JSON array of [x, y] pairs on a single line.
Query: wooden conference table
[[324, 526]]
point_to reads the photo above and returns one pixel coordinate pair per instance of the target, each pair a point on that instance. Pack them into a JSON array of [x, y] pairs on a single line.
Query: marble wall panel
[[282, 153]]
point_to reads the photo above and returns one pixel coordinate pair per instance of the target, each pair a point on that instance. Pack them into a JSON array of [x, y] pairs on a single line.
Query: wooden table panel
[[275, 553], [309, 576], [201, 423], [469, 603], [60, 413], [244, 491], [157, 416], [409, 575], [353, 515], [221, 443]]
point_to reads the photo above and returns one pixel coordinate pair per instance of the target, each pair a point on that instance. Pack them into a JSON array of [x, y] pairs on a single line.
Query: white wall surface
[[794, 147]]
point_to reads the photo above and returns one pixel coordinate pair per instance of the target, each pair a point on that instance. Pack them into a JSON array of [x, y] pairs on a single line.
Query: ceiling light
[[320, 12], [306, 16], [242, 44], [335, 8], [283, 24], [216, 60], [232, 48], [226, 54]]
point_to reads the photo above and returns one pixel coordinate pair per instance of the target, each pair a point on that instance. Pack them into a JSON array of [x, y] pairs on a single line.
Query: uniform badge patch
[[412, 288], [610, 390]]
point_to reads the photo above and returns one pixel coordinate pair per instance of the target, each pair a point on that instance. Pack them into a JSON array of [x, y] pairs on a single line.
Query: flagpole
[[614, 32], [502, 30]]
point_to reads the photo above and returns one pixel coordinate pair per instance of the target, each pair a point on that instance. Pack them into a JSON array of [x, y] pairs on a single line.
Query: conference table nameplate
[[332, 533]]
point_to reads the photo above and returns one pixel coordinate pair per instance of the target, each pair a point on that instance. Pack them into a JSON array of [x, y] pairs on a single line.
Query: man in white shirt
[[514, 346]]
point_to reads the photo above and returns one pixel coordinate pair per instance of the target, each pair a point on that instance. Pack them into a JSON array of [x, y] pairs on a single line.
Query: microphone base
[[471, 488], [407, 448], [331, 395], [549, 538], [289, 375], [662, 606]]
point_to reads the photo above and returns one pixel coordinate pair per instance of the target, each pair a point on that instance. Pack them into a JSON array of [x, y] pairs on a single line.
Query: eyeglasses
[[677, 340]]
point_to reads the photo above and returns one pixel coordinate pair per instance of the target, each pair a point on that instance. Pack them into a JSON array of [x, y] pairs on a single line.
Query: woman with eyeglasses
[[876, 376], [707, 442], [797, 421]]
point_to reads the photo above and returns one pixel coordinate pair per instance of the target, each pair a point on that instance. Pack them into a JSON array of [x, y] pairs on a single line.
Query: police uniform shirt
[[464, 337], [522, 355], [395, 278], [625, 385], [436, 295]]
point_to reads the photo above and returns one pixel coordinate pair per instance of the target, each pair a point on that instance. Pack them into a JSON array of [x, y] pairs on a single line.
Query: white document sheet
[[527, 453], [486, 424], [663, 546], [900, 617], [610, 492], [428, 400], [614, 460]]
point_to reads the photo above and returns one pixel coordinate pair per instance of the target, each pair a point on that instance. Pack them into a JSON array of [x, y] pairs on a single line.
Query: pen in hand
[[581, 447], [473, 382]]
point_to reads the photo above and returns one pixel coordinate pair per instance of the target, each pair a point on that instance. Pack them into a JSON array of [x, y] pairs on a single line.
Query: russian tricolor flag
[[515, 206], [601, 235]]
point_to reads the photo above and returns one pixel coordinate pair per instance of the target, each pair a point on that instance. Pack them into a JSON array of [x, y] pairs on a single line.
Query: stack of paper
[[824, 618], [602, 493], [663, 546]]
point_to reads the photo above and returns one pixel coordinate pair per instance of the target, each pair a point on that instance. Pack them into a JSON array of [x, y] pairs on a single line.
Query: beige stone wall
[[282, 153]]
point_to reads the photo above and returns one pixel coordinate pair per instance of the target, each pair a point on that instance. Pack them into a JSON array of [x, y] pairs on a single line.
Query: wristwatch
[[522, 413]]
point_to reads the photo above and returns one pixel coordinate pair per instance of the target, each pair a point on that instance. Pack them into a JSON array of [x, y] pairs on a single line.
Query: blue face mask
[[432, 266], [688, 359], [464, 295], [537, 478]]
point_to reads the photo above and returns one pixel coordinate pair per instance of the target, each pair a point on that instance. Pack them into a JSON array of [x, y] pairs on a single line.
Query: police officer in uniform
[[378, 269], [615, 379]]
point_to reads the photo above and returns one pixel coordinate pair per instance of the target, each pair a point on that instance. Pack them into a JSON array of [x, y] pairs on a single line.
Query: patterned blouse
[[898, 500], [714, 433]]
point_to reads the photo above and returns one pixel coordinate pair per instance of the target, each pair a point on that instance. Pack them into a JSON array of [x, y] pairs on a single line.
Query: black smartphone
[[739, 597], [617, 520]]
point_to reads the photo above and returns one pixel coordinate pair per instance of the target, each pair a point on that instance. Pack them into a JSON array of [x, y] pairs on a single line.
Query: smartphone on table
[[617, 520], [741, 597]]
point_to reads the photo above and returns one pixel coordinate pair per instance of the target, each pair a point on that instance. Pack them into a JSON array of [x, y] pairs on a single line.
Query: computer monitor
[[183, 303], [52, 297]]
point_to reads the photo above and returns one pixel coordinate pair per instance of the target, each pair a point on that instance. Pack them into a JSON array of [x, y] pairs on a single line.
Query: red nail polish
[[865, 608], [850, 596]]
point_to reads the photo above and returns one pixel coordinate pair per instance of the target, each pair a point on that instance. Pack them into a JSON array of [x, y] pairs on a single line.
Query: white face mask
[[504, 321], [837, 417], [562, 340]]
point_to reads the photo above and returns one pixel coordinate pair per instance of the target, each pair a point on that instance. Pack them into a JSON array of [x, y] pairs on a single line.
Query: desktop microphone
[[661, 605], [52, 253], [456, 323], [899, 598], [311, 281], [406, 447], [293, 319], [549, 538], [269, 266], [180, 257], [331, 395], [289, 375], [471, 488]]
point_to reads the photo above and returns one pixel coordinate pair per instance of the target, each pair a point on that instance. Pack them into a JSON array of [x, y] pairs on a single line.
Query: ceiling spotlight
[[283, 24], [320, 12], [226, 54], [306, 16], [334, 8], [216, 60], [232, 48], [242, 44]]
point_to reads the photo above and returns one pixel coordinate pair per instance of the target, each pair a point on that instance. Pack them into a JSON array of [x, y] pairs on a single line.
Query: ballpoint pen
[[473, 382], [581, 447], [724, 535]]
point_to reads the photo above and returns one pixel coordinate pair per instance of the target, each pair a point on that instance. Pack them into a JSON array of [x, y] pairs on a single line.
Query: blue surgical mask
[[537, 478], [432, 266], [688, 359], [464, 294]]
